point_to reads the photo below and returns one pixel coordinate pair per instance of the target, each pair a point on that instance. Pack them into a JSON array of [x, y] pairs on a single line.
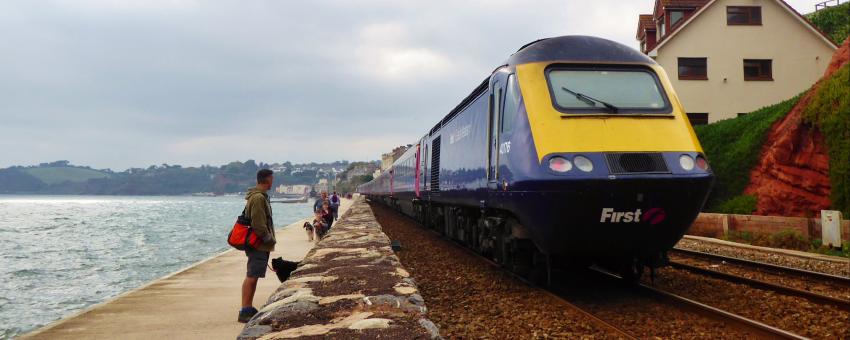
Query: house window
[[676, 17], [698, 118], [743, 15], [661, 26], [758, 69], [693, 69]]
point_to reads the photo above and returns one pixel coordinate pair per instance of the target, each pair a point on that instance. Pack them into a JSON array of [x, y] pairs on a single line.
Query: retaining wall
[[716, 225], [351, 285]]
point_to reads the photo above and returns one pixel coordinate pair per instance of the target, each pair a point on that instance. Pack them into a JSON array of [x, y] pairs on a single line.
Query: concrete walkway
[[199, 302]]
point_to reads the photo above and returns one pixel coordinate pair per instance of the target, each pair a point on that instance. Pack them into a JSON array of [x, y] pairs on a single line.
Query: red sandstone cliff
[[792, 175]]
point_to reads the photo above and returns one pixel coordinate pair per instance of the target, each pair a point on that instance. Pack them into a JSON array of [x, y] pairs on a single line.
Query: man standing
[[317, 206], [259, 211], [335, 205]]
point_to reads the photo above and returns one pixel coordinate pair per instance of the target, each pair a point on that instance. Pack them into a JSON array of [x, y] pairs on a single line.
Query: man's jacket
[[258, 209], [317, 205]]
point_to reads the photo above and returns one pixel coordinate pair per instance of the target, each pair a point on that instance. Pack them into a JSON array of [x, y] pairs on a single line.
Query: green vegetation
[[834, 21], [55, 175], [353, 176], [733, 147], [787, 239], [829, 111], [818, 247], [742, 205]]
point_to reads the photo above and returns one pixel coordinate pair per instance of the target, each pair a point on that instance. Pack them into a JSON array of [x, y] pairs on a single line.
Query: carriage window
[[583, 90], [509, 111]]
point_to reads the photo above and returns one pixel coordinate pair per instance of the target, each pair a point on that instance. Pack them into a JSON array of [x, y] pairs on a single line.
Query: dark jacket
[[258, 209], [317, 205]]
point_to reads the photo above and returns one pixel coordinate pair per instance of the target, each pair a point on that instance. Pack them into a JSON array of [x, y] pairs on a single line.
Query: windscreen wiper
[[591, 101]]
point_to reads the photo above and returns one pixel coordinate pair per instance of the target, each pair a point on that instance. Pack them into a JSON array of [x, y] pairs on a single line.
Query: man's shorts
[[257, 262]]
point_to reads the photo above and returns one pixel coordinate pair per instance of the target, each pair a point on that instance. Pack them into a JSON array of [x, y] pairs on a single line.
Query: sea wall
[[717, 225], [351, 285]]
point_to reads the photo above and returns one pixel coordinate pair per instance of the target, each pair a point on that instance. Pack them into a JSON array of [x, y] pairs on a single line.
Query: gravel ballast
[[794, 314], [824, 264], [469, 299]]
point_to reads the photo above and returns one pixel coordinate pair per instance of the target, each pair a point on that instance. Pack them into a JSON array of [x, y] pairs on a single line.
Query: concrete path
[[199, 302]]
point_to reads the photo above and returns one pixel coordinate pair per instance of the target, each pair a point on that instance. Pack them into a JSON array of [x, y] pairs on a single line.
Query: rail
[[758, 329], [812, 296], [841, 280]]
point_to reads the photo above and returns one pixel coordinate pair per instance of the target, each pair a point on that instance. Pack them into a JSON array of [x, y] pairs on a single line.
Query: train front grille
[[636, 162]]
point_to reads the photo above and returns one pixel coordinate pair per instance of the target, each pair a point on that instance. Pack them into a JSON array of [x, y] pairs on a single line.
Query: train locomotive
[[576, 151]]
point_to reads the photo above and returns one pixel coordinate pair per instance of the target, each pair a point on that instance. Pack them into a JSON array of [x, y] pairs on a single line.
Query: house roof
[[682, 3], [645, 21], [669, 36], [662, 4]]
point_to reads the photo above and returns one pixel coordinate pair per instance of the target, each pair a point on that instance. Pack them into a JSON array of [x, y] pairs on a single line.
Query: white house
[[729, 57]]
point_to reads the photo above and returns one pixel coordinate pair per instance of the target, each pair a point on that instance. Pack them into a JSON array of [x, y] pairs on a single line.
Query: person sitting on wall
[[327, 215], [319, 226]]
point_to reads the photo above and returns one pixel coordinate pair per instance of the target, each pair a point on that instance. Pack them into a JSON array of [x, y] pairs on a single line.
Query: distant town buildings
[[322, 186], [388, 158], [298, 189], [729, 57]]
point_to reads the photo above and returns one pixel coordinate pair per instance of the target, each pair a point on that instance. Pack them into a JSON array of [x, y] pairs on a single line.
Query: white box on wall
[[830, 221]]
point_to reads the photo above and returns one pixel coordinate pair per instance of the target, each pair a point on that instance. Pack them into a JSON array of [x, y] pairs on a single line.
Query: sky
[[119, 84]]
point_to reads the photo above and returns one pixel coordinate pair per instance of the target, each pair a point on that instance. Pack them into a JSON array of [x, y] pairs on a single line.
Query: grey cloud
[[131, 83]]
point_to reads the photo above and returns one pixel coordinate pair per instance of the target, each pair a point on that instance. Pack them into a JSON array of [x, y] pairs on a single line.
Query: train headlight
[[686, 162], [702, 163], [560, 164], [583, 164]]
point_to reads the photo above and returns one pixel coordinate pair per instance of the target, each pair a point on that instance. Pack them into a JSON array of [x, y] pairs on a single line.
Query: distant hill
[[61, 177], [55, 175]]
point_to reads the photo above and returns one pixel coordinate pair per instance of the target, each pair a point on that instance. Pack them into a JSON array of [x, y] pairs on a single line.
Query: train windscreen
[[585, 90]]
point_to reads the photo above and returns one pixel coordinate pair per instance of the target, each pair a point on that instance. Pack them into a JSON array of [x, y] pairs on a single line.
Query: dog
[[283, 268]]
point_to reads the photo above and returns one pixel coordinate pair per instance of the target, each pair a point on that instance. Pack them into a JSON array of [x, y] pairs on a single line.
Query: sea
[[61, 254]]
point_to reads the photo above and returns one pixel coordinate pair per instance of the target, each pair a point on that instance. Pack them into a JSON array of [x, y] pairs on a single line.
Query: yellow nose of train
[[557, 130]]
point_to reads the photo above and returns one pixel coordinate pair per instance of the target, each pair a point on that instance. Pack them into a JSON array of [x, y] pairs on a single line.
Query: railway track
[[678, 316], [747, 325], [804, 278], [753, 327], [845, 281], [605, 324]]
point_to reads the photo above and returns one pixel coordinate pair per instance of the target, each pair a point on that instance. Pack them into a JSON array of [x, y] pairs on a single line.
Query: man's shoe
[[246, 314]]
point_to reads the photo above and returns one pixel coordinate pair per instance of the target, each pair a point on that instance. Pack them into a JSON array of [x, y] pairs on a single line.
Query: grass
[[787, 239], [733, 147], [829, 111], [55, 175], [741, 205], [834, 21]]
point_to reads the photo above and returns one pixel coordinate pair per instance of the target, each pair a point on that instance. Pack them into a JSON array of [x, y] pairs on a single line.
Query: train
[[576, 151]]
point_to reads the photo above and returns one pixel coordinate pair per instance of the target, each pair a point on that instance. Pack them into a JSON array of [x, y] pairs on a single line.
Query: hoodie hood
[[254, 191]]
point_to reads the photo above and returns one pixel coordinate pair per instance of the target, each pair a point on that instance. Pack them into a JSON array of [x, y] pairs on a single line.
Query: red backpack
[[242, 236]]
